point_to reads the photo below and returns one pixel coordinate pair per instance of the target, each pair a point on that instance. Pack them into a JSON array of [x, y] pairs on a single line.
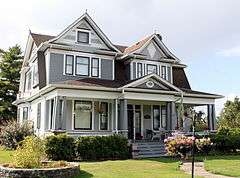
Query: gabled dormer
[[148, 56]]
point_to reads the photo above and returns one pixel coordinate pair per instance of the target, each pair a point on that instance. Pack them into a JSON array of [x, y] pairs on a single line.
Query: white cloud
[[231, 52]]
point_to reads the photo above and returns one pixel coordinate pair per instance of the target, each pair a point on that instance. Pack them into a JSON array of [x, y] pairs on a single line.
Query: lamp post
[[193, 146]]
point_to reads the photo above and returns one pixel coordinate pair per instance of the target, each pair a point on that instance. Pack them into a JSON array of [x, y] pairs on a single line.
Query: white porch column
[[116, 116], [173, 116], [123, 120]]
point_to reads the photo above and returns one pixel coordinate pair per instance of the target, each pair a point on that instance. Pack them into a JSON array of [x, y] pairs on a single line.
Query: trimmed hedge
[[60, 147], [227, 139], [102, 147]]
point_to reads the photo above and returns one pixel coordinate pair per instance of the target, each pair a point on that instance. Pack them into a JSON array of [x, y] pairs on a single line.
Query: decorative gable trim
[[94, 26], [155, 76]]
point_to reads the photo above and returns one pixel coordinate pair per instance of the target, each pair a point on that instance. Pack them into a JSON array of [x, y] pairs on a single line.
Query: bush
[[29, 153], [12, 133], [178, 145], [204, 145], [102, 147], [60, 147], [227, 139]]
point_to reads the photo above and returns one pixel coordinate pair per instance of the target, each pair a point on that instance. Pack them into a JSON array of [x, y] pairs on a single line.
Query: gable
[[69, 37], [152, 51], [152, 84]]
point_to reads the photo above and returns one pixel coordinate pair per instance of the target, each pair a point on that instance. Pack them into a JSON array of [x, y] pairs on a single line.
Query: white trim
[[131, 70], [93, 114], [73, 113], [113, 69], [116, 116]]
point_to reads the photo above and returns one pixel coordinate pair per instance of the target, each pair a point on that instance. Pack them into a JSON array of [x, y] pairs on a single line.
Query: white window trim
[[89, 36], [99, 127]]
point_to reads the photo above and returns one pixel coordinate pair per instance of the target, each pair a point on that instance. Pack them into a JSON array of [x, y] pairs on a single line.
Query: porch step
[[148, 149]]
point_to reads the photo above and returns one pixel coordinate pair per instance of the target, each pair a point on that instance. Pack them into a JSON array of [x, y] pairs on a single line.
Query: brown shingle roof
[[179, 78], [121, 47], [137, 45], [40, 38]]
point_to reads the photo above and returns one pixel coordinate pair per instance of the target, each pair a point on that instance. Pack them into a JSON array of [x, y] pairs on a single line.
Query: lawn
[[155, 168], [224, 165]]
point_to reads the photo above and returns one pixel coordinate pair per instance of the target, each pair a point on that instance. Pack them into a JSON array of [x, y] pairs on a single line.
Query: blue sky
[[204, 34]]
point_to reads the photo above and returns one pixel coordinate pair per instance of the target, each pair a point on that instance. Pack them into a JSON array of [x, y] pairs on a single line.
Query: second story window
[[28, 81], [139, 70], [95, 67], [164, 72], [82, 66], [83, 37], [151, 69], [35, 74], [69, 64]]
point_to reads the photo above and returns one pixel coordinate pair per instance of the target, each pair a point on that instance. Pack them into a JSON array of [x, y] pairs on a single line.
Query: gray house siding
[[56, 69]]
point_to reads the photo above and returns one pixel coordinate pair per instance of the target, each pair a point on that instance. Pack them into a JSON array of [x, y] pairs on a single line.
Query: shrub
[[29, 153], [227, 139], [12, 132], [178, 145], [102, 147], [204, 145], [60, 147]]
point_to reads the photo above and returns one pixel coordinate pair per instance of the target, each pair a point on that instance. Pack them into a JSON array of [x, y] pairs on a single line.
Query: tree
[[10, 66], [230, 115]]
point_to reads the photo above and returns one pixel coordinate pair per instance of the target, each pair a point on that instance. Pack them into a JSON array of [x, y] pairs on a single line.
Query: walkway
[[199, 170]]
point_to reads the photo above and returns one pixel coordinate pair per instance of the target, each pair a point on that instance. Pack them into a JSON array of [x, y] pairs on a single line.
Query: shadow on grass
[[163, 159], [84, 174]]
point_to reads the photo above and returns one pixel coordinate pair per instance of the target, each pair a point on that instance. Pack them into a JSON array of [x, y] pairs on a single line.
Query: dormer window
[[83, 36], [164, 72], [151, 69], [139, 70]]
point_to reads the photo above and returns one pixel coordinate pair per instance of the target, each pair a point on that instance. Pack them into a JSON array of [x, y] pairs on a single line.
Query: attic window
[[83, 37]]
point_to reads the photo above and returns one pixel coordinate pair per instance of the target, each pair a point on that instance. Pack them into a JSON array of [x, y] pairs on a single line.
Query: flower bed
[[69, 170]]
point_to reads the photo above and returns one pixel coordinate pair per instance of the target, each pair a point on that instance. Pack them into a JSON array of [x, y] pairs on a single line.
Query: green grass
[[154, 168], [228, 165]]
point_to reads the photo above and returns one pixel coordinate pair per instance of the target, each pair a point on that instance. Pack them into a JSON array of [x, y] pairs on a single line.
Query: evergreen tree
[[10, 66], [230, 115]]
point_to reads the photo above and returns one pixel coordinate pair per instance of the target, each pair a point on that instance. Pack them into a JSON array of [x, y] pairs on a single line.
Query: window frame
[[66, 64], [98, 64], [91, 115], [76, 65], [27, 113], [83, 31], [139, 66], [159, 118], [154, 66], [164, 76], [100, 115], [163, 107], [39, 115], [35, 77]]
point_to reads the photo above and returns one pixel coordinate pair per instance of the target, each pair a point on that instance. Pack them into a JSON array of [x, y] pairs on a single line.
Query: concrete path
[[200, 171]]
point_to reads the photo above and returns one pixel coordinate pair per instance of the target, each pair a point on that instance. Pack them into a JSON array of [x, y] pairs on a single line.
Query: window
[[69, 64], [169, 73], [25, 113], [139, 70], [95, 67], [61, 105], [83, 37], [82, 66], [156, 117], [151, 69], [103, 116], [164, 116], [35, 74], [164, 72], [38, 115], [83, 115], [51, 113], [28, 81]]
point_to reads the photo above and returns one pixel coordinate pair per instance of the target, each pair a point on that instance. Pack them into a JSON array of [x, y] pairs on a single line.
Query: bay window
[[35, 74], [151, 69], [25, 113], [69, 64], [82, 66], [83, 115], [95, 67], [103, 116]]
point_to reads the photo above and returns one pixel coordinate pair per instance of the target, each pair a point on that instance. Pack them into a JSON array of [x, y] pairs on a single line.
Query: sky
[[204, 34]]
